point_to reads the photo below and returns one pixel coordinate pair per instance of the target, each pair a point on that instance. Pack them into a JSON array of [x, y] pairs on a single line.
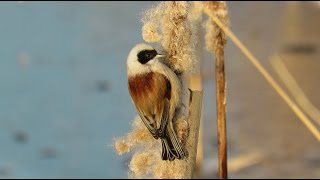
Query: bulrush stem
[[221, 114], [215, 42], [194, 124]]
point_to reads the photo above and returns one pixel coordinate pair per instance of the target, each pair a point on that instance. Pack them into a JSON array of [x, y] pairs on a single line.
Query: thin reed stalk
[[221, 115], [192, 141], [294, 88], [294, 107], [216, 41]]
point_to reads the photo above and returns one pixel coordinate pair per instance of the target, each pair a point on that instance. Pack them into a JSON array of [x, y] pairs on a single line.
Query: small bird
[[155, 91]]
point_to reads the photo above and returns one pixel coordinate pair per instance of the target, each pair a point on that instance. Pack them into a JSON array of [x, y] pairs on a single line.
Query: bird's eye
[[146, 55]]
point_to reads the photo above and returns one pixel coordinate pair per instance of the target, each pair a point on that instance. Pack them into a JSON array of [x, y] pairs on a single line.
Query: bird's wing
[[150, 121], [151, 96], [164, 117]]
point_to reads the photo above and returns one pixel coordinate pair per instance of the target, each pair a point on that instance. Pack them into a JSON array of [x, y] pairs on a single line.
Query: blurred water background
[[63, 87], [64, 94]]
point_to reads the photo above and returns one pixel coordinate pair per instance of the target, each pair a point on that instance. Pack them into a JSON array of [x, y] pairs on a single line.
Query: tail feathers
[[168, 152], [171, 147]]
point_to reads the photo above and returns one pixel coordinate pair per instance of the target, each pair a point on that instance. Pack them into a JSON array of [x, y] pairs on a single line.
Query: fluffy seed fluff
[[138, 135], [150, 32], [146, 161], [171, 24], [169, 21], [215, 37]]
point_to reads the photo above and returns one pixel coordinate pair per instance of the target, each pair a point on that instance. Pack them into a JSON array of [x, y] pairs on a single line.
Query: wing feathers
[[151, 94]]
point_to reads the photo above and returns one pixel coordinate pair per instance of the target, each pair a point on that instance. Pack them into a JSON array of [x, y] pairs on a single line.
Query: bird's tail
[[171, 146]]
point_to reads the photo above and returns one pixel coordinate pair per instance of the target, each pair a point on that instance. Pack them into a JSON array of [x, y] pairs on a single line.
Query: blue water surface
[[63, 87]]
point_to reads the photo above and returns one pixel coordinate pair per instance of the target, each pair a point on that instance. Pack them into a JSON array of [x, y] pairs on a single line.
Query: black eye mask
[[146, 55]]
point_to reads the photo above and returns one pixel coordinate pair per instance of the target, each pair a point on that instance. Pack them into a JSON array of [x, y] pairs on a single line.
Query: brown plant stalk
[[216, 41]]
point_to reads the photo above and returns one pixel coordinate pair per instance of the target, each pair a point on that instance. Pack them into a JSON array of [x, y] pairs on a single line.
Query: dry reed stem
[[199, 157], [216, 41], [238, 162], [244, 160], [192, 141], [221, 115], [294, 88], [305, 120], [195, 80], [196, 84]]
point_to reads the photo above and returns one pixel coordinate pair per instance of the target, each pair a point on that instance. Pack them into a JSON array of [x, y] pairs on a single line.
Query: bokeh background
[[64, 96]]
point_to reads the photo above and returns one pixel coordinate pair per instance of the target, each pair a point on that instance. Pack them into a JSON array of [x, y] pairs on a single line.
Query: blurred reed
[[294, 107], [294, 88]]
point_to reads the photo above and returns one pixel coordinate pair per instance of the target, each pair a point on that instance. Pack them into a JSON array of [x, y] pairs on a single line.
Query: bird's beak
[[160, 55]]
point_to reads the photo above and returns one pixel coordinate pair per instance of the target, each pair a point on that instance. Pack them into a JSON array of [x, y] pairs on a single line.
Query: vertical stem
[[221, 114], [196, 83], [216, 41], [194, 124]]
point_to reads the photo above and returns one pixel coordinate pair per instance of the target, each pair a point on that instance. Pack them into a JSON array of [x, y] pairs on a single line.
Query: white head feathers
[[134, 67]]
